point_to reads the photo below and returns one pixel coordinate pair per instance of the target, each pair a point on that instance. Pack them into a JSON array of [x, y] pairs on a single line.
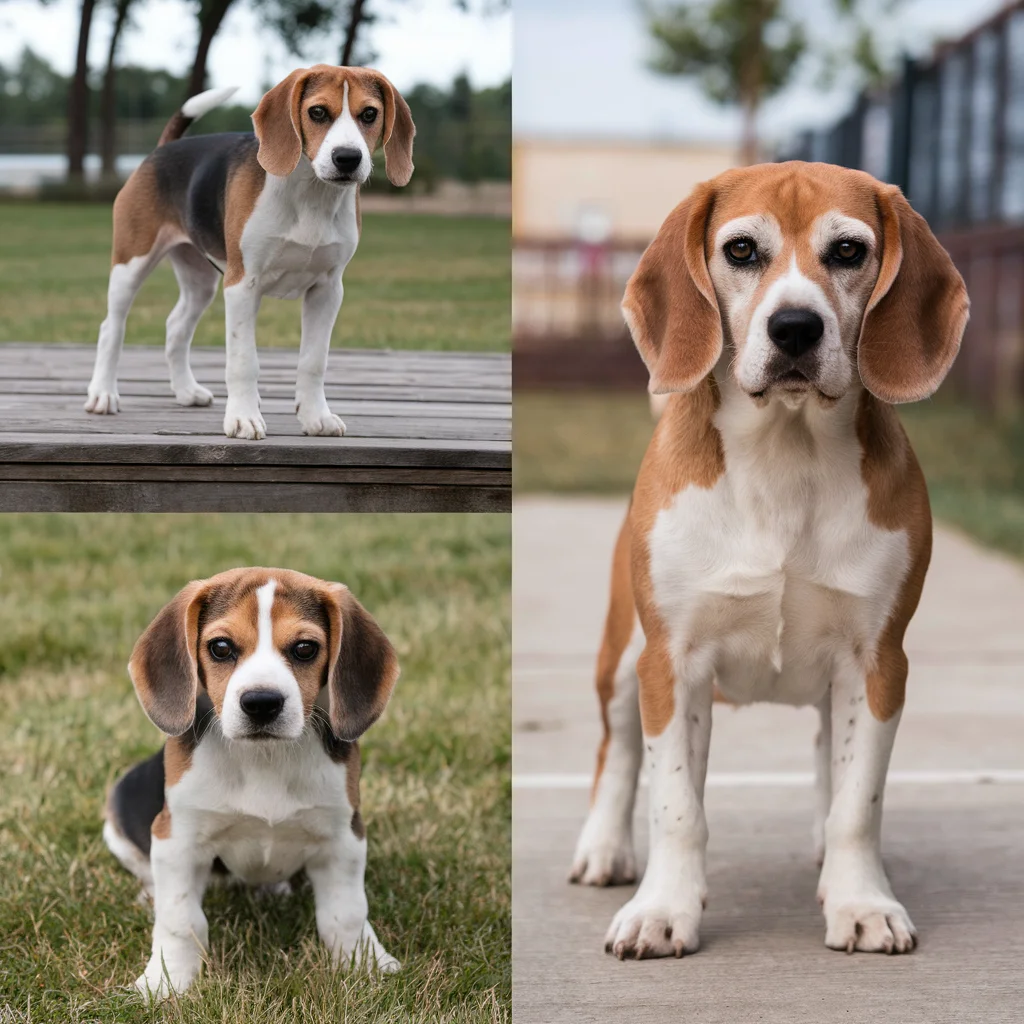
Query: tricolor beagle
[[275, 212], [779, 532], [264, 679]]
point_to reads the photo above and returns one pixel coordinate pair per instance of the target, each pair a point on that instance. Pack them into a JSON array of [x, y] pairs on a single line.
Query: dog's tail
[[192, 109]]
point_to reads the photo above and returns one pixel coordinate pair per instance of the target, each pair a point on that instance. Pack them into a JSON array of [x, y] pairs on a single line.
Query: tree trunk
[[749, 148], [78, 99], [108, 99], [356, 15], [211, 15]]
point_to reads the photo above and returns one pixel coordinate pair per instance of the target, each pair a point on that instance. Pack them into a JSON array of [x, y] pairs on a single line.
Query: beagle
[[275, 212], [779, 531], [263, 679]]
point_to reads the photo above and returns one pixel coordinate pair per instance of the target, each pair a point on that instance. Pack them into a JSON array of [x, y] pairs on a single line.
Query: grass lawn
[[75, 592], [593, 443], [416, 282]]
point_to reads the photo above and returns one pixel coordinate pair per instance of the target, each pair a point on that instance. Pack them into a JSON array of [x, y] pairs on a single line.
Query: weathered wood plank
[[426, 430]]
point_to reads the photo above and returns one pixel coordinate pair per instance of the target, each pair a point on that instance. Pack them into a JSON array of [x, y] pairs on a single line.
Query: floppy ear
[[163, 663], [398, 132], [363, 667], [916, 315], [277, 125], [670, 305]]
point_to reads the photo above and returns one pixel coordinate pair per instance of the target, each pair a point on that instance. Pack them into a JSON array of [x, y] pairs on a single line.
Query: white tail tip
[[203, 102]]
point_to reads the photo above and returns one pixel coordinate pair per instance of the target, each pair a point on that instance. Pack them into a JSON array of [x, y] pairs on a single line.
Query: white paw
[[366, 954], [650, 926], [273, 890], [157, 983], [102, 402], [325, 424], [603, 859], [244, 420], [875, 924], [193, 394]]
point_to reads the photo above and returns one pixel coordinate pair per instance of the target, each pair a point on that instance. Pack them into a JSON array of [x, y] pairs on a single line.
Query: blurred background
[[610, 133], [87, 85]]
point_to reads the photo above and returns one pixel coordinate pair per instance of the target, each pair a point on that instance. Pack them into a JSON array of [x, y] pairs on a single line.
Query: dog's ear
[[398, 132], [670, 305], [278, 127], [163, 664], [916, 315], [362, 665]]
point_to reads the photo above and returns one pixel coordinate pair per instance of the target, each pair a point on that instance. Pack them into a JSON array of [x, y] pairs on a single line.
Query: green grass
[[75, 592], [593, 443], [416, 282]]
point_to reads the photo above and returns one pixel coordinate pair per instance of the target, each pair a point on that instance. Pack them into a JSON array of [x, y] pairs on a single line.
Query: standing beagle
[[264, 679], [275, 212], [779, 532]]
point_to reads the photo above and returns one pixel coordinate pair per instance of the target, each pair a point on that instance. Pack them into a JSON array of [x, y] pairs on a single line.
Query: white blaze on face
[[264, 669], [343, 134]]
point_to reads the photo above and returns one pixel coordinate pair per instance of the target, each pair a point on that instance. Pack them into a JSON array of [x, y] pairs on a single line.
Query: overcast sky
[[579, 70], [417, 41]]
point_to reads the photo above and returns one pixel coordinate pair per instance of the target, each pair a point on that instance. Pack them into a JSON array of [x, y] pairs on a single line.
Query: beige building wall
[[562, 187]]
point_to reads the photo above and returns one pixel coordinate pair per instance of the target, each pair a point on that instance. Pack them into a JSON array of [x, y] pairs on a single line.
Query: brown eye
[[305, 650], [369, 115], [318, 114], [221, 649], [741, 250], [846, 251]]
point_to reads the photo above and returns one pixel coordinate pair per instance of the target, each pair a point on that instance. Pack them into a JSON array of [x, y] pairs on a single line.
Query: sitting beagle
[[779, 531], [264, 679], [275, 212]]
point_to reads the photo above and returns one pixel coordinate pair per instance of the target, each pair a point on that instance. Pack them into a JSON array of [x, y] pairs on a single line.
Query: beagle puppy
[[263, 679], [779, 531], [275, 212]]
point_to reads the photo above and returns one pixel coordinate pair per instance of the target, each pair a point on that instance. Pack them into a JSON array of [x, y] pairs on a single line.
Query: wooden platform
[[427, 431]]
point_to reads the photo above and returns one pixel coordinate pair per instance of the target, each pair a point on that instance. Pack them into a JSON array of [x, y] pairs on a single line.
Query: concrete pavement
[[953, 839]]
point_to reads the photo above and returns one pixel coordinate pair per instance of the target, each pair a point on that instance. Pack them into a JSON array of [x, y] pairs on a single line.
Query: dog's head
[[812, 274], [336, 118], [271, 648]]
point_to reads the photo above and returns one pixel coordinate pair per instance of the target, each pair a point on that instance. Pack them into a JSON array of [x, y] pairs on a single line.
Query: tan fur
[[239, 626], [142, 222], [290, 626], [897, 500], [241, 193], [618, 628], [161, 827], [353, 770]]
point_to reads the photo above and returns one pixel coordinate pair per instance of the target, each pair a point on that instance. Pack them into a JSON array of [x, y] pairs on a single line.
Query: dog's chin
[[343, 180], [792, 388]]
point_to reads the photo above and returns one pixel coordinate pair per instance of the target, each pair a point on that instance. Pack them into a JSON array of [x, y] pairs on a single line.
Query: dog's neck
[[303, 192]]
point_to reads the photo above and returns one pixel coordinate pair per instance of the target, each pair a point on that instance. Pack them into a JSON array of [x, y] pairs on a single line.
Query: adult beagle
[[263, 679], [779, 532], [275, 212]]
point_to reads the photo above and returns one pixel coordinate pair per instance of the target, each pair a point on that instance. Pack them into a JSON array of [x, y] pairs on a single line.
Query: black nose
[[262, 706], [795, 330], [346, 159]]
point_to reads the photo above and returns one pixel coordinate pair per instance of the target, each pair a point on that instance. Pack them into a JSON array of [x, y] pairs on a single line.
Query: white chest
[[297, 236], [775, 577], [264, 816]]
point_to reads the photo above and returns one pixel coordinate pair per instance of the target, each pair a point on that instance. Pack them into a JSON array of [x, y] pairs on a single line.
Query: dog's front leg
[[180, 933], [242, 417], [336, 874], [861, 912], [320, 307], [663, 918]]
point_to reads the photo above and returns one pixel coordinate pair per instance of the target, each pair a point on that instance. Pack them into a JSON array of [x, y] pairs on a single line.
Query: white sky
[[417, 41], [579, 70]]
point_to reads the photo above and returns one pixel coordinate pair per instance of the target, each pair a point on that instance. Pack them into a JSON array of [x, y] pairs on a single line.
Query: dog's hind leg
[[604, 852], [822, 775], [134, 802], [198, 281]]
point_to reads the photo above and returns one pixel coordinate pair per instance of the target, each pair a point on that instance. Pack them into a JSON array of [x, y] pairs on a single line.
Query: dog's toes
[[193, 394], [102, 403]]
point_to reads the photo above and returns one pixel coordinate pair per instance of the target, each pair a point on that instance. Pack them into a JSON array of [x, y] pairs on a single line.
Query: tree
[[210, 15], [108, 96], [740, 51], [78, 98]]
